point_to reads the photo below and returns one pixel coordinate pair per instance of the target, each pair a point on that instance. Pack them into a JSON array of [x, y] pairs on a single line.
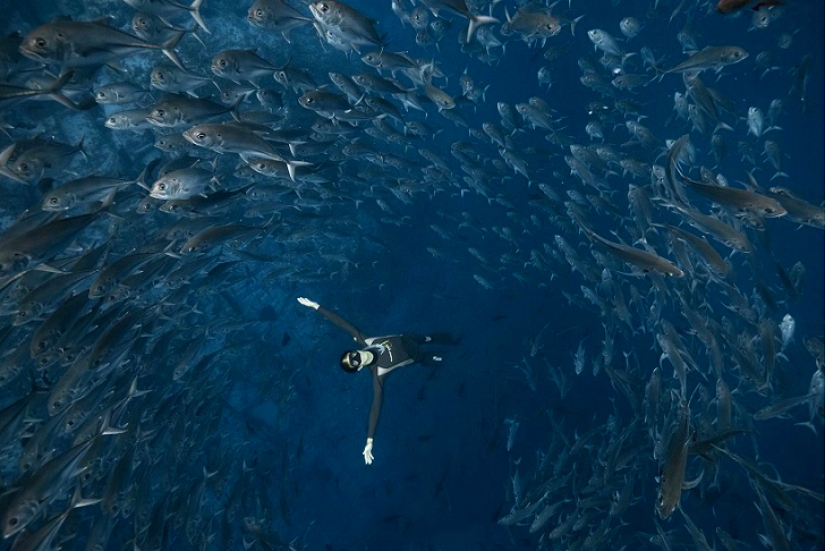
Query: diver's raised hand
[[368, 452], [308, 303]]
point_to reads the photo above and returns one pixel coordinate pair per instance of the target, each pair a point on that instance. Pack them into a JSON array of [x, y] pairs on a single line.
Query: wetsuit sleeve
[[377, 399], [343, 324]]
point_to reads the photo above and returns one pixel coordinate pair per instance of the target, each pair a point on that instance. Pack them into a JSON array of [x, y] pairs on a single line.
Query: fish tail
[[291, 166], [66, 102], [195, 10], [80, 148], [722, 126], [807, 424], [478, 21], [573, 25], [59, 82], [660, 74], [168, 49]]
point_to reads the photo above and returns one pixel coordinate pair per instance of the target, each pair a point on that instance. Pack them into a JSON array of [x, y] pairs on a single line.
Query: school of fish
[[160, 162]]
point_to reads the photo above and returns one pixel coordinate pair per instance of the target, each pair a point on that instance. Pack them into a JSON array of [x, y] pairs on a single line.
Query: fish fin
[[292, 165], [573, 25], [477, 21], [79, 501], [807, 424], [168, 48], [690, 484], [195, 11]]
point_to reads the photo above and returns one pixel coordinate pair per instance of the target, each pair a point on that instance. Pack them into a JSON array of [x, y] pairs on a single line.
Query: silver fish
[[88, 43], [712, 57]]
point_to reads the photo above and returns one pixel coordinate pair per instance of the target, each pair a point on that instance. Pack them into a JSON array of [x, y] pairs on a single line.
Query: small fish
[[276, 15], [712, 57], [740, 200], [241, 65], [118, 93], [780, 408], [579, 359], [787, 327], [638, 258], [630, 27], [133, 120], [346, 23], [178, 111], [602, 40], [165, 9], [672, 477], [175, 80], [182, 184], [511, 435], [81, 191]]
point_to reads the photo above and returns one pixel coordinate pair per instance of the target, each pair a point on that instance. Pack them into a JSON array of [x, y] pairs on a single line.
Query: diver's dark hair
[[344, 362]]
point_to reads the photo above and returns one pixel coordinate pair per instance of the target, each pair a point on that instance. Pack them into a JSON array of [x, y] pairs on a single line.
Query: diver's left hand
[[368, 452], [308, 303]]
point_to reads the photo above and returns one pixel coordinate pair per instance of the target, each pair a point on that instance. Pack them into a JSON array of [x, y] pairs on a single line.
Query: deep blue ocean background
[[291, 425]]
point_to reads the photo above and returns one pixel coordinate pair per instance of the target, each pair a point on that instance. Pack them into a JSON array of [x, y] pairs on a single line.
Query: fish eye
[[222, 63], [259, 13], [200, 136], [40, 43], [161, 186], [54, 200], [324, 8]]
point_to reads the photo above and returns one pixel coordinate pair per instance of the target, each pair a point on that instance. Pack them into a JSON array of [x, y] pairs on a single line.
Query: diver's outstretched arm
[[375, 412], [336, 319]]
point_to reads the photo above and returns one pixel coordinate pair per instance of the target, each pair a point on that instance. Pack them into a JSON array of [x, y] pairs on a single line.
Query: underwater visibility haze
[[578, 245]]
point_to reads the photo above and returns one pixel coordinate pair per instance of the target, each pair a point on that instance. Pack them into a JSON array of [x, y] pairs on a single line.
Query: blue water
[[285, 427]]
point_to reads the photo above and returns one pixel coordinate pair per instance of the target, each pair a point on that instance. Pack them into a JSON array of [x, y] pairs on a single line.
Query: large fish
[[88, 44]]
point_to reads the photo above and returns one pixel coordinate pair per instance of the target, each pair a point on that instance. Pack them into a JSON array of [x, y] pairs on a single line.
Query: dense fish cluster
[[175, 175]]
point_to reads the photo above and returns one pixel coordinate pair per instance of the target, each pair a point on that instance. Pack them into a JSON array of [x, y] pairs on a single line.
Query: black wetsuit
[[390, 352]]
